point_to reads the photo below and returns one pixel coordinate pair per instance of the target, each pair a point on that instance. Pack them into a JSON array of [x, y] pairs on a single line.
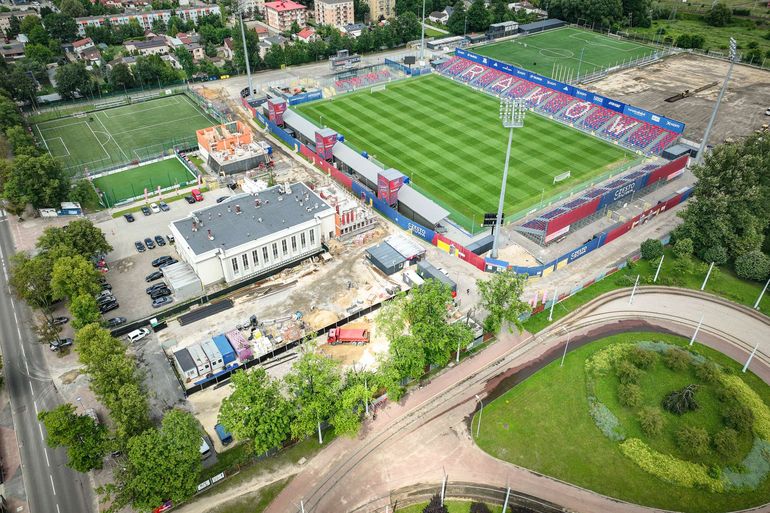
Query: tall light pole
[[422, 33], [733, 58], [512, 113], [481, 409], [246, 54]]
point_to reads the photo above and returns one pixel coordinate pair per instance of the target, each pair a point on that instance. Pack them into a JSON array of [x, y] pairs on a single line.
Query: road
[[50, 485]]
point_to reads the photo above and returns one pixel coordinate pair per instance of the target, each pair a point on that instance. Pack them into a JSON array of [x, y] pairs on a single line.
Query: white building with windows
[[251, 234]]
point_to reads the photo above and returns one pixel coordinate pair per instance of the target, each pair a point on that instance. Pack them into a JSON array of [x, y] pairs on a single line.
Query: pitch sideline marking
[[110, 135], [106, 153]]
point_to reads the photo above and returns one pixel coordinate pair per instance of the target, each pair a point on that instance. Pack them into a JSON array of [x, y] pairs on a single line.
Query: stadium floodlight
[[246, 56], [422, 34], [512, 113], [704, 142]]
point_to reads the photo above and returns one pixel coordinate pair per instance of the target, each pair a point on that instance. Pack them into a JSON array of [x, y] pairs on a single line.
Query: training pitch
[[557, 53], [132, 182], [100, 139], [449, 140]]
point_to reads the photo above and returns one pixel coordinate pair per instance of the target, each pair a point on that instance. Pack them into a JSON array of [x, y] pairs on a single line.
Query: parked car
[[149, 243], [129, 217], [60, 343], [105, 301], [189, 199], [159, 240], [171, 239], [222, 198], [196, 193], [146, 210], [108, 307], [163, 291], [161, 260], [161, 301], [157, 286], [164, 206], [115, 322], [103, 294], [139, 246], [58, 321], [105, 286], [155, 275], [167, 263], [138, 334], [155, 208]]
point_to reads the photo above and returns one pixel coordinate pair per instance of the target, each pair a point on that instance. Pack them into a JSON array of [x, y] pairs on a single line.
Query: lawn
[[451, 506], [722, 282], [448, 139], [544, 424], [557, 53], [110, 137], [132, 182], [254, 502]]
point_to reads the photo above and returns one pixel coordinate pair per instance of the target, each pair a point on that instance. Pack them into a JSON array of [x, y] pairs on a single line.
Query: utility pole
[[636, 283], [422, 35], [759, 299], [246, 55], [697, 329], [704, 142], [708, 274], [660, 264]]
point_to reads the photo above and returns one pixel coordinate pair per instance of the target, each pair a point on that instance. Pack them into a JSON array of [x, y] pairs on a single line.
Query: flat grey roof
[[542, 25], [300, 124], [391, 173], [355, 161], [385, 254], [277, 212], [427, 208]]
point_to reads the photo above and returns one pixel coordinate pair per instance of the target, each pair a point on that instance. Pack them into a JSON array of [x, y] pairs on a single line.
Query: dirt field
[[742, 110]]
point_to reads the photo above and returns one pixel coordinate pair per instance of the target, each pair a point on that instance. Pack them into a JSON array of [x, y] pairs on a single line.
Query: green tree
[[61, 27], [683, 248], [652, 249], [73, 276], [716, 254], [257, 410], [357, 392], [84, 311], [14, 27], [314, 385], [72, 8], [39, 181], [85, 440], [21, 142], [31, 280], [719, 15], [252, 44], [28, 23], [120, 77], [478, 16], [80, 236], [457, 22], [501, 297], [638, 12], [39, 53], [630, 395], [9, 113], [753, 265], [38, 35], [163, 464], [73, 79], [185, 59]]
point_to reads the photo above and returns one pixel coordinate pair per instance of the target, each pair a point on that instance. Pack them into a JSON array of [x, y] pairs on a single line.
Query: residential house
[[529, 9], [353, 29], [82, 45], [92, 57], [12, 50], [306, 35], [441, 16], [227, 48], [251, 6], [197, 51], [261, 31], [336, 13], [155, 46], [283, 13], [5, 18], [381, 9], [171, 59], [145, 19], [268, 42]]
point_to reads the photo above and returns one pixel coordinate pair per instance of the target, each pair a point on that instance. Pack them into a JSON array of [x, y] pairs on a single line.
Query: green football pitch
[[448, 139], [565, 53], [110, 137], [132, 182]]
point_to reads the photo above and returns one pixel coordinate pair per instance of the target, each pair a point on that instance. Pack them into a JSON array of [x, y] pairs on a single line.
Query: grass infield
[[132, 182], [557, 53], [100, 139], [449, 140]]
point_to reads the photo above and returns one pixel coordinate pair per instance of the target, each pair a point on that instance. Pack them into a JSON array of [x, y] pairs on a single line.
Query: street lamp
[[481, 409], [733, 58], [566, 346], [512, 113]]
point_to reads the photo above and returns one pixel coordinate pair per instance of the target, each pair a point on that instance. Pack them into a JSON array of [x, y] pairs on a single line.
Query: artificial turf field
[[448, 139], [132, 182], [556, 53], [109, 137]]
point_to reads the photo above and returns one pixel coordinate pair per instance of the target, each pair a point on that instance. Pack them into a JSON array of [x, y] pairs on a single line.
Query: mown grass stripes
[[449, 140]]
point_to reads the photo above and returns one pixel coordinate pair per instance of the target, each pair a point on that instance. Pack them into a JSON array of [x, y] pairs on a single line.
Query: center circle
[[556, 52]]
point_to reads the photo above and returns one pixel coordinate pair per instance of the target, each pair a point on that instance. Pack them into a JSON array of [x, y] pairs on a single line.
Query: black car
[[149, 243], [129, 217], [155, 275], [108, 307], [60, 343], [139, 246], [157, 286], [169, 262], [162, 260], [115, 322], [222, 198], [58, 321], [164, 300], [105, 300], [146, 210], [160, 293], [190, 200], [164, 206], [105, 286], [159, 240]]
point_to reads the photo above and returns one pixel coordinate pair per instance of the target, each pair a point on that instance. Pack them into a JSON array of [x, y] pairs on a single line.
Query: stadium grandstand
[[551, 225], [629, 132], [354, 79]]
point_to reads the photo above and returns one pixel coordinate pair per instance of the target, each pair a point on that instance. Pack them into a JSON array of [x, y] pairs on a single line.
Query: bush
[[681, 401], [708, 372], [716, 254], [693, 441], [676, 359], [627, 372], [652, 249], [605, 420], [630, 395], [738, 417], [651, 420], [683, 248], [726, 443], [753, 265], [642, 358], [719, 15], [479, 507]]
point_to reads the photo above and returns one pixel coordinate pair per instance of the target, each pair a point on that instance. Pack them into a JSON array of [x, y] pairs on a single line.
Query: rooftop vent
[[259, 219], [237, 209], [211, 235], [194, 226]]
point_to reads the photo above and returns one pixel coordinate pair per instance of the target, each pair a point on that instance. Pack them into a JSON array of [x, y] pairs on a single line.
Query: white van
[[138, 335], [205, 450]]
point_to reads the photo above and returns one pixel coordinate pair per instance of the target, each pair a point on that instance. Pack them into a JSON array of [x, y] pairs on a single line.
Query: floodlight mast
[[512, 112], [246, 55], [704, 142]]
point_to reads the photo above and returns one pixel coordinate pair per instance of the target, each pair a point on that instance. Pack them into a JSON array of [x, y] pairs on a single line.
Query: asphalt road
[[51, 486]]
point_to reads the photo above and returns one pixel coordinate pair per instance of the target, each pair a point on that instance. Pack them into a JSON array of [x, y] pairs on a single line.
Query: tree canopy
[[314, 385], [80, 237], [501, 297], [39, 181], [85, 440]]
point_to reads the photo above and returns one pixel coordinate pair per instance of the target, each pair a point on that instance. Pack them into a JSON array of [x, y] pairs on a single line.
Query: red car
[[196, 194]]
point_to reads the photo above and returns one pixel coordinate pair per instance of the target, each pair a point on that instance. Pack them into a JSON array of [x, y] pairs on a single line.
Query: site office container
[[239, 343], [224, 347], [426, 270], [199, 358], [185, 364], [213, 354]]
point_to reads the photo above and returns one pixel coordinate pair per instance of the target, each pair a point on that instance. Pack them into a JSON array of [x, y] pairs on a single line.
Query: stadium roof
[[300, 124], [428, 209], [355, 161], [537, 26]]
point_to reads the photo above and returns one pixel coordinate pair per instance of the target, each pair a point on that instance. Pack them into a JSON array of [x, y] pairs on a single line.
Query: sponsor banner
[[609, 103], [568, 218], [305, 97], [583, 250], [665, 171], [324, 144], [617, 194], [275, 109], [557, 233]]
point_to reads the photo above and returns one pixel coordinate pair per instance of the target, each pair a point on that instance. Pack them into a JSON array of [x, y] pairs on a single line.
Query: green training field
[[556, 53], [449, 140], [110, 137], [132, 182]]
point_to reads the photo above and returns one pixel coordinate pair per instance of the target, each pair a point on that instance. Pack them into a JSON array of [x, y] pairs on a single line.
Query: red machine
[[357, 336], [196, 193]]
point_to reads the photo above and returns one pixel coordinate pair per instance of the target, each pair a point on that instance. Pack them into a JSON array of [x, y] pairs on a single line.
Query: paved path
[[427, 435]]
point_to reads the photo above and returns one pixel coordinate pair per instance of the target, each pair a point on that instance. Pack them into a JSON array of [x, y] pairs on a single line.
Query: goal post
[[562, 177], [378, 88]]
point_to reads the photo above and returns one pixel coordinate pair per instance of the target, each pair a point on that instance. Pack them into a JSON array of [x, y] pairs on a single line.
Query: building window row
[[271, 255]]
